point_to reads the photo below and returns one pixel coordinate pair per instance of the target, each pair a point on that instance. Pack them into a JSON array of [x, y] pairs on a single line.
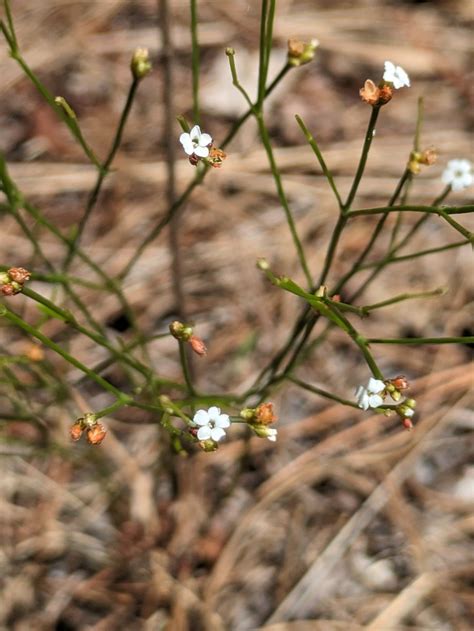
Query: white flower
[[396, 75], [212, 423], [196, 142], [370, 396], [458, 174]]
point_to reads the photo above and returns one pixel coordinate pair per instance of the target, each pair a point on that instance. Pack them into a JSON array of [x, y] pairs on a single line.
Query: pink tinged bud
[[407, 424], [197, 345], [10, 289], [19, 274]]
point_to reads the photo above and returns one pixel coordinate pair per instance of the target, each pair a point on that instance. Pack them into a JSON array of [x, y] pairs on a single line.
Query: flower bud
[[76, 430], [208, 445], [265, 432], [261, 415], [400, 382], [407, 424], [300, 53], [140, 64], [19, 274], [264, 414], [10, 289], [197, 345], [180, 331], [96, 434]]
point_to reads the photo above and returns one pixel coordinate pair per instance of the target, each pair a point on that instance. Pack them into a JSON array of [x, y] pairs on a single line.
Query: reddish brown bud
[[19, 274], [76, 431], [264, 414], [9, 289], [386, 93], [400, 382], [194, 159], [407, 424], [336, 298], [197, 345], [96, 434]]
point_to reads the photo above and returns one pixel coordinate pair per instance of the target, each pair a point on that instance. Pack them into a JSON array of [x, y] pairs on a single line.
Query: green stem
[[185, 368], [369, 136], [434, 210], [314, 146], [69, 319], [195, 62], [20, 323], [415, 341], [282, 197], [320, 392]]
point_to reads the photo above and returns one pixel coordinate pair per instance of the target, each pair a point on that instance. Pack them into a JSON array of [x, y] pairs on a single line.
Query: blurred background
[[347, 522]]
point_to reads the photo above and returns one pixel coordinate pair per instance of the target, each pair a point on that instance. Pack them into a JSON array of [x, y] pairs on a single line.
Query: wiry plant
[[187, 414]]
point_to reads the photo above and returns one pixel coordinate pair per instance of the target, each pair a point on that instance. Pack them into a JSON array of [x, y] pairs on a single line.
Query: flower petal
[[205, 140], [202, 152], [375, 400], [201, 417], [375, 385], [214, 413], [195, 132], [204, 433], [185, 140], [222, 420], [217, 433]]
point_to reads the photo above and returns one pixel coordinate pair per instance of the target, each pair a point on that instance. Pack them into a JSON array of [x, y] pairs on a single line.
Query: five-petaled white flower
[[371, 395], [396, 75], [212, 423], [458, 174], [196, 142]]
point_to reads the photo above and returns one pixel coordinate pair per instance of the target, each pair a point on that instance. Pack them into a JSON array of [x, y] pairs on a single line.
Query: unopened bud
[[19, 274], [407, 424], [10, 289], [76, 430], [96, 434], [208, 445], [264, 414], [300, 53], [180, 331], [400, 382], [140, 64], [197, 345]]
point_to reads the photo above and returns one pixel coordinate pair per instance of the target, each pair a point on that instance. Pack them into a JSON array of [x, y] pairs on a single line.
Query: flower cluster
[[184, 333], [95, 431], [12, 281], [374, 394], [394, 77], [198, 146], [300, 53], [259, 419]]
